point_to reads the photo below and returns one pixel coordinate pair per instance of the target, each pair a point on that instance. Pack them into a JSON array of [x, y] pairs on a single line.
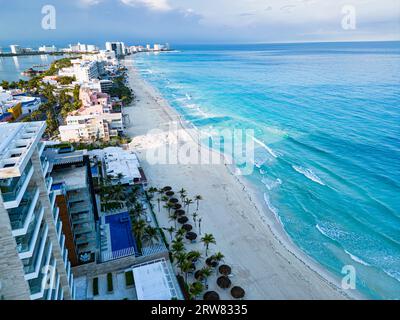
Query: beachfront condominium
[[73, 186], [33, 258], [117, 47]]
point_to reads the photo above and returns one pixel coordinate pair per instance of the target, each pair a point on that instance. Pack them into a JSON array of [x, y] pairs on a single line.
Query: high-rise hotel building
[[33, 256]]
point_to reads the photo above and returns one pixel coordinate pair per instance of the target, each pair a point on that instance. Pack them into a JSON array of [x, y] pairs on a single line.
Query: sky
[[198, 21]]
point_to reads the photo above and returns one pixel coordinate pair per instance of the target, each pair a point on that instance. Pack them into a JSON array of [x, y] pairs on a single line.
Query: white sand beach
[[264, 261]]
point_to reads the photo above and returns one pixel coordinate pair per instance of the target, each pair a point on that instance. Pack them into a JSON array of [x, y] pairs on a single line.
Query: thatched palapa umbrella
[[225, 270], [180, 213], [211, 262], [238, 292], [174, 200], [187, 227], [177, 206], [191, 236], [183, 220], [211, 295], [224, 282], [167, 188], [169, 193]]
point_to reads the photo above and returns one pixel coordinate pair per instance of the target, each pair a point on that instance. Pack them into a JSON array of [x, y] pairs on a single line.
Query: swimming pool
[[121, 232]]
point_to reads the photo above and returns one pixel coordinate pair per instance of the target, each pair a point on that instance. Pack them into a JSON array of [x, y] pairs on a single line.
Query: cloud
[[88, 3], [157, 5]]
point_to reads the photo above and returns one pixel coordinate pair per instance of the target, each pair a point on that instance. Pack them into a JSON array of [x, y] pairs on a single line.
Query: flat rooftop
[[73, 178]]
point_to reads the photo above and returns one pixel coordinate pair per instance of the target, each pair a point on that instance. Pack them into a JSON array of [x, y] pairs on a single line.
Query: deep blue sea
[[327, 118]]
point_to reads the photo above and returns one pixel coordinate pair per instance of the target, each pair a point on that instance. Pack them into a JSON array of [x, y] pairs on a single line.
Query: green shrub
[[110, 286], [130, 281], [95, 286]]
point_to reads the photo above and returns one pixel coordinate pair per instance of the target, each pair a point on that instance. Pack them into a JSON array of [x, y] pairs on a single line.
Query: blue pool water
[[121, 232], [327, 121]]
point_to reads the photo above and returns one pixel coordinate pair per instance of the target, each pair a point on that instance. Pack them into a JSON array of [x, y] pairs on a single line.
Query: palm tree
[[206, 272], [196, 289], [194, 256], [218, 256], [207, 240], [183, 194], [180, 258], [200, 225], [173, 217], [151, 235], [198, 198], [118, 193], [169, 207], [188, 202], [186, 267], [170, 230], [177, 247], [195, 215], [180, 233], [139, 229]]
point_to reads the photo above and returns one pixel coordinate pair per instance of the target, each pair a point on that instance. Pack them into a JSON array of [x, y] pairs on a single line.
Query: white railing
[[113, 255]]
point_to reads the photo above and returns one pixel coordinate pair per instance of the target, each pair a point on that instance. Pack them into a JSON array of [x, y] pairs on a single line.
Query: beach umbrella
[[211, 262], [187, 227], [225, 270], [174, 200], [177, 206], [170, 193], [238, 292], [183, 220], [167, 188], [211, 295], [180, 213], [191, 236], [224, 282]]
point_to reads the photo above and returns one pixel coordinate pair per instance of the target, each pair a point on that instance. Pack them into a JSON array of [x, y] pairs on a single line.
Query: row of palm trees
[[183, 197], [187, 262]]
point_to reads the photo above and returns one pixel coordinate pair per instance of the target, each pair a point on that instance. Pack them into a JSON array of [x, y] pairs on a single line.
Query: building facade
[[34, 260]]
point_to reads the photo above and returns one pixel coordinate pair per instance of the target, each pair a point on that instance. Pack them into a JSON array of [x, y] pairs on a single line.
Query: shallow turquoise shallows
[[327, 122]]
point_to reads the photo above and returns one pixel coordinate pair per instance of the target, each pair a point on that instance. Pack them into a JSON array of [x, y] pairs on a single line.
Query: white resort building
[[33, 257]]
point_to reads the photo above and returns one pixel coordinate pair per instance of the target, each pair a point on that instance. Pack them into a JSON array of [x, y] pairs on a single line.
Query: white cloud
[[158, 5], [88, 3]]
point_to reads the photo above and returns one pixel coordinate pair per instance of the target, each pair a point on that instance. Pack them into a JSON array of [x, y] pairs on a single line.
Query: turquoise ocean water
[[327, 117]]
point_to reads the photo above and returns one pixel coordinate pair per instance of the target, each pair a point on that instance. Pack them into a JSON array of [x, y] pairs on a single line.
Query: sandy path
[[261, 263]]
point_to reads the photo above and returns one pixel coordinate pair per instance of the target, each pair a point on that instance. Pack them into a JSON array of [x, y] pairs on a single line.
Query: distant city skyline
[[194, 21]]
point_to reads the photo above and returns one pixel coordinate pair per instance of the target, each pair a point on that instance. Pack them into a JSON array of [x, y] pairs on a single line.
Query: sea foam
[[308, 173]]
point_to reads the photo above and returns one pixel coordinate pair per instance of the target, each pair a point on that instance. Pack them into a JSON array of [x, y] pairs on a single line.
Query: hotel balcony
[[41, 146], [49, 292], [56, 213], [38, 285], [27, 243], [49, 183], [45, 165], [65, 257], [52, 200], [62, 242], [82, 229], [21, 217], [13, 189], [32, 266], [81, 218], [57, 288], [59, 229]]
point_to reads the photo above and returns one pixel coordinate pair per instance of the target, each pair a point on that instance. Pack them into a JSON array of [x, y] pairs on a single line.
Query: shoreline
[[304, 267]]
